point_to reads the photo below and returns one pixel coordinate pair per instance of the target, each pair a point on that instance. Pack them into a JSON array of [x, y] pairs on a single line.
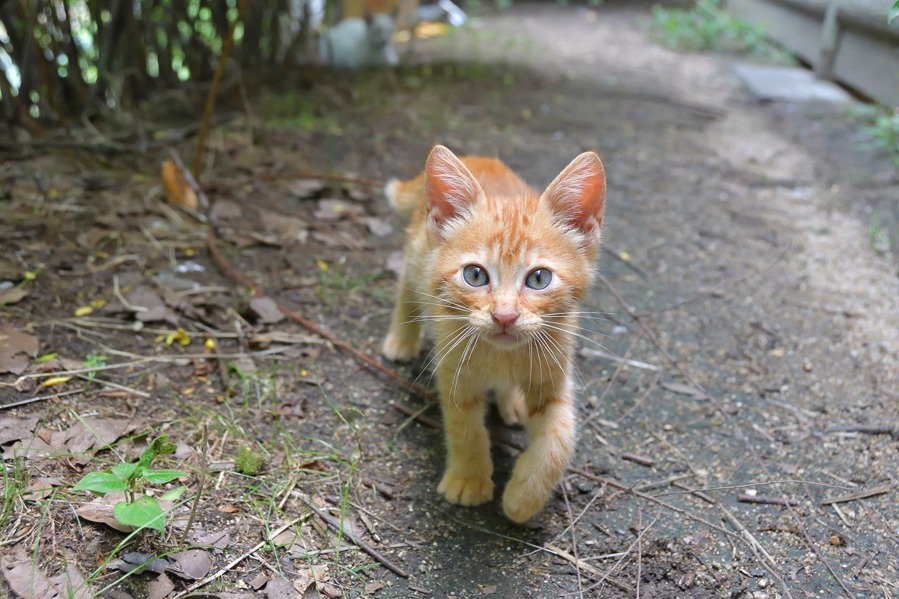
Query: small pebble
[[835, 541]]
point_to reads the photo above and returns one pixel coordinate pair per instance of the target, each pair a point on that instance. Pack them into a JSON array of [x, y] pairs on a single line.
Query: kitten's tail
[[402, 195]]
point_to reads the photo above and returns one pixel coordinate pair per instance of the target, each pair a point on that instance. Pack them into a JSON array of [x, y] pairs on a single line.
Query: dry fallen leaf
[[192, 564], [23, 576], [13, 295], [160, 588], [280, 588], [177, 190], [16, 349], [266, 310], [13, 429]]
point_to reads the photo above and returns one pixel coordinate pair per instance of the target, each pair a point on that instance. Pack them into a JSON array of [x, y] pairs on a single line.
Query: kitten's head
[[514, 268]]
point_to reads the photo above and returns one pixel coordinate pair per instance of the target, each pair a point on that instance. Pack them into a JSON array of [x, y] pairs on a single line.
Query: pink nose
[[504, 319]]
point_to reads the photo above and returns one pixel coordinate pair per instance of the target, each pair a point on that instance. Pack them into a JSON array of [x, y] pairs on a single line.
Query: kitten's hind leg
[[512, 406], [403, 341], [551, 427]]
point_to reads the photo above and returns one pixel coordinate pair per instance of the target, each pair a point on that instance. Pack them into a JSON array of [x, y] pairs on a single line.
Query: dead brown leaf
[[266, 310], [225, 210], [192, 564], [16, 349], [331, 209], [160, 588], [150, 305], [306, 188], [280, 588], [13, 295], [24, 577], [176, 188], [378, 226], [289, 229], [373, 587], [13, 429], [92, 433], [100, 509]]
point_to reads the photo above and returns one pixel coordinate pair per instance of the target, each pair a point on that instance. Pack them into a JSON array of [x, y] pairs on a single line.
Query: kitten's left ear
[[578, 196]]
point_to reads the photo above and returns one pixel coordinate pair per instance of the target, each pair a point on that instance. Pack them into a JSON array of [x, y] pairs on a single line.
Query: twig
[[692, 491], [597, 353], [766, 500], [558, 551], [577, 559], [864, 493], [866, 430], [356, 540], [643, 460], [237, 560], [204, 470], [416, 415], [121, 298], [25, 402], [209, 108], [639, 548]]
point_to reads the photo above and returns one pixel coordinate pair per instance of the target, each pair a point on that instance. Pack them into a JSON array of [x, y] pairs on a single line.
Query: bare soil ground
[[744, 376]]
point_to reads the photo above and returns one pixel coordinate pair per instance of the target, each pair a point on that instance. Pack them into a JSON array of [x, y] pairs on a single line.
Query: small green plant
[[707, 27], [894, 12], [137, 510], [94, 362], [880, 126]]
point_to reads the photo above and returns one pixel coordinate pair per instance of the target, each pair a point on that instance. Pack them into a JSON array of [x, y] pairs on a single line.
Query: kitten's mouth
[[505, 339]]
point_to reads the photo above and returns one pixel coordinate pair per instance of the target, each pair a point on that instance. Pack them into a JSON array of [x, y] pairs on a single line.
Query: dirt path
[[760, 328]]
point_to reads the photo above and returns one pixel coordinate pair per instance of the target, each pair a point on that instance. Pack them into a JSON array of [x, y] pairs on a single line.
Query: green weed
[[707, 27], [137, 510]]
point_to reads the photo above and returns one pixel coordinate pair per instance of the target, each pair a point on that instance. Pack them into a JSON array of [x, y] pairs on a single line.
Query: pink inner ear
[[578, 194], [449, 185]]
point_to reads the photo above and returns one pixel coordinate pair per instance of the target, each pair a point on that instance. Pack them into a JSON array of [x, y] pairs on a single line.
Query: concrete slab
[[795, 84]]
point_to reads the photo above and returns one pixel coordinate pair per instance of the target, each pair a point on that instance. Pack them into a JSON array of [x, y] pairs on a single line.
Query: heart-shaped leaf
[[101, 482], [144, 512], [124, 471]]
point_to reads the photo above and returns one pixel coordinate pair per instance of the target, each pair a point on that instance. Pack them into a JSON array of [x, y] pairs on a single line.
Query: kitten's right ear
[[450, 188]]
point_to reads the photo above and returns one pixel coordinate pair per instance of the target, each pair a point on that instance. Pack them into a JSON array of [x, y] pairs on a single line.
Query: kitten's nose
[[504, 319]]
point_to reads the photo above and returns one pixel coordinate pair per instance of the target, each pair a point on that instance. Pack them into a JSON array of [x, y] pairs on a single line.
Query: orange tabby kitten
[[501, 271]]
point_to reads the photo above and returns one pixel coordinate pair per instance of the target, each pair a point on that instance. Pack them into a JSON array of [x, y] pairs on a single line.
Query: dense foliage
[[60, 58]]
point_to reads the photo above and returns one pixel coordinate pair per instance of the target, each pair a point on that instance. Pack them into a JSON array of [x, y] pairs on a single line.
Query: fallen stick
[[766, 500], [864, 493], [558, 551], [356, 540]]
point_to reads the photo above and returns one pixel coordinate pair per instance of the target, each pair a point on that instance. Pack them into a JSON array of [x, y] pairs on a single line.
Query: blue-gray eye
[[475, 275], [539, 279]]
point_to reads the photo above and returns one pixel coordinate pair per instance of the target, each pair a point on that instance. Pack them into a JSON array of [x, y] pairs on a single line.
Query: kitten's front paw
[[513, 409], [399, 348], [520, 502], [466, 490]]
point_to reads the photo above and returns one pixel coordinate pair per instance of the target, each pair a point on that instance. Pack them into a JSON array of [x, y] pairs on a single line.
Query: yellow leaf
[[56, 380], [30, 276], [322, 264], [624, 255], [180, 337], [304, 372], [210, 344], [98, 303], [83, 311], [778, 352]]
